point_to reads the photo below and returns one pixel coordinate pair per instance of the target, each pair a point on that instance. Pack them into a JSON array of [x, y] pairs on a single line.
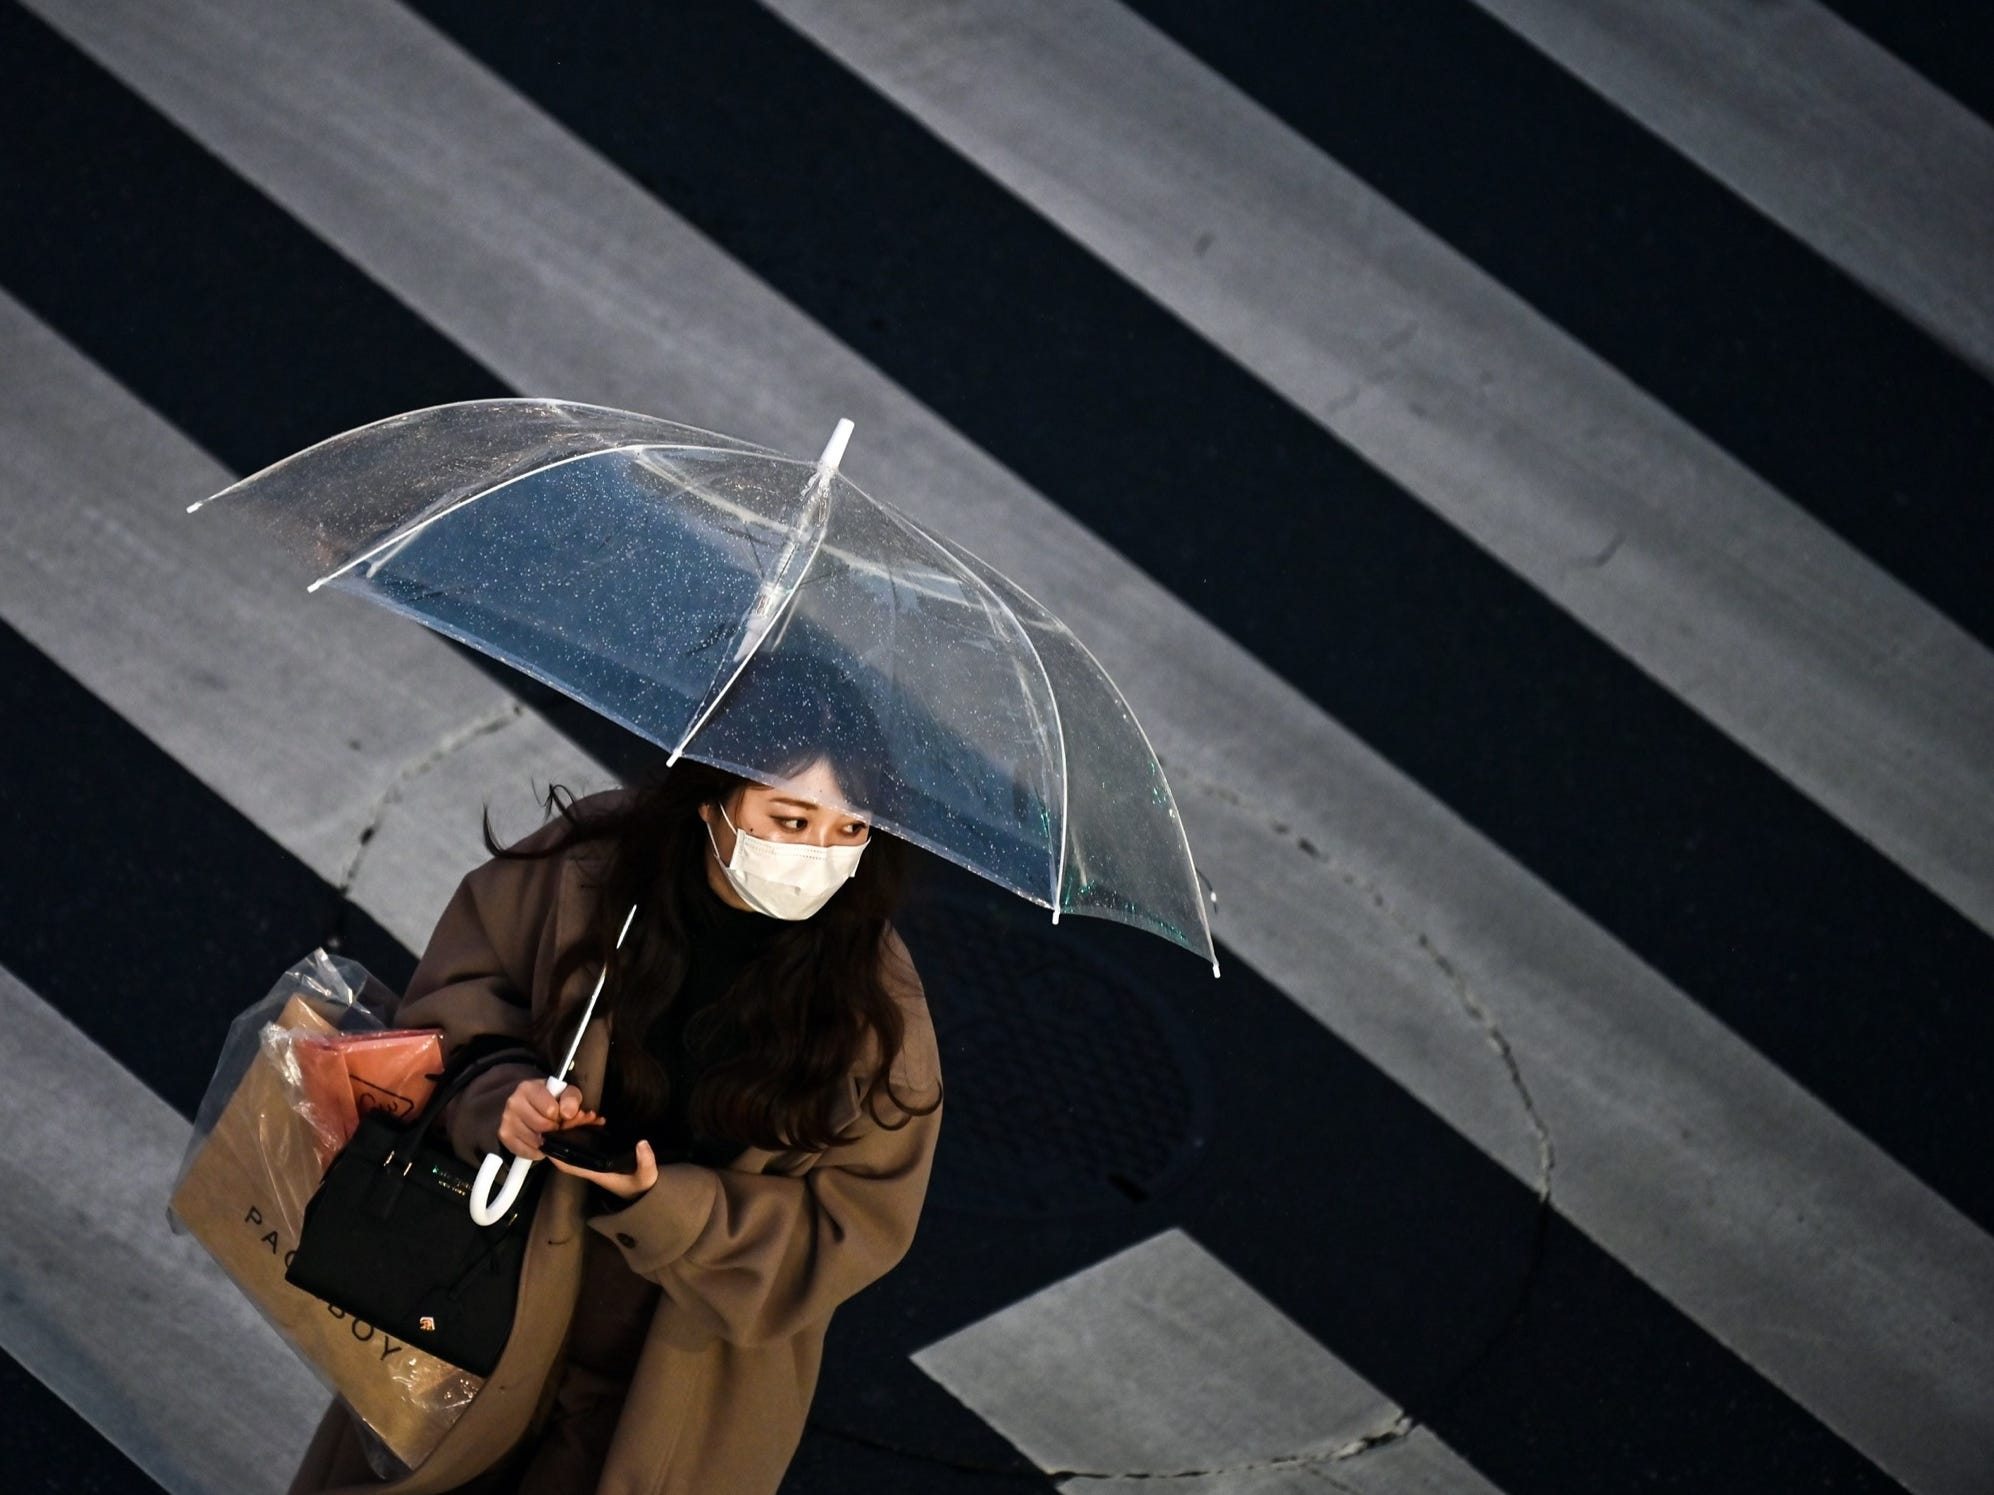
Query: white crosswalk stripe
[[1160, 1358]]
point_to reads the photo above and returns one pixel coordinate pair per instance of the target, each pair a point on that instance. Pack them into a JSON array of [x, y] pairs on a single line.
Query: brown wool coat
[[752, 1258]]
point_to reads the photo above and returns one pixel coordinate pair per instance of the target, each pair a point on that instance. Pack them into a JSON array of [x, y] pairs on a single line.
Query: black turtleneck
[[722, 939]]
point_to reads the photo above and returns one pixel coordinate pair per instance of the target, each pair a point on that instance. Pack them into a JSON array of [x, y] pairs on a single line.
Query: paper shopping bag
[[243, 1196]]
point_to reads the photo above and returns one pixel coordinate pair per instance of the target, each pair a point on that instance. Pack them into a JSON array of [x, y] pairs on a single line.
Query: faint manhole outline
[[1070, 1089]]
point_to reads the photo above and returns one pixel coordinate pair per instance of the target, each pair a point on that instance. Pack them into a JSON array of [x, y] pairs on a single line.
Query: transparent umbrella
[[692, 586]]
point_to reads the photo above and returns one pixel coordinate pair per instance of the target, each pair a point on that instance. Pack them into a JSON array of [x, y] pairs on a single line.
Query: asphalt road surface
[[1526, 462]]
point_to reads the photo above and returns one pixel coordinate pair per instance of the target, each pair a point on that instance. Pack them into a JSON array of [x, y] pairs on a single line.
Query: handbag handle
[[414, 1133]]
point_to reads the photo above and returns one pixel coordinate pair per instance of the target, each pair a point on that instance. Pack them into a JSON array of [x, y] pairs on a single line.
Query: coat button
[[625, 1239]]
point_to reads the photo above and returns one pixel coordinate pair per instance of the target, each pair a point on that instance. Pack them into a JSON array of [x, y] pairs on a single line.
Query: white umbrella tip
[[834, 449]]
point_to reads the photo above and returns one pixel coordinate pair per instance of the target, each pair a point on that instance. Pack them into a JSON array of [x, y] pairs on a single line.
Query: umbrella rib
[[821, 497], [1197, 894], [1059, 727], [1183, 835], [948, 548]]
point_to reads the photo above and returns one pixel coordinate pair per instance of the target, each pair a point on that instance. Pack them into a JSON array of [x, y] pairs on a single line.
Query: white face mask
[[785, 879]]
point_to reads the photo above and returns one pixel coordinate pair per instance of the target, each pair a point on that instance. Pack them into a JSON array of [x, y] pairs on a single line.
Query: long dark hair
[[782, 1039]]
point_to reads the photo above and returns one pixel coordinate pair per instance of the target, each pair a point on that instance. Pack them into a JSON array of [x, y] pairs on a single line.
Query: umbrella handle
[[486, 1210]]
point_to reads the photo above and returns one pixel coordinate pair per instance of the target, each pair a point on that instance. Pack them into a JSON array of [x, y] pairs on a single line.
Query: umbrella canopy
[[735, 605]]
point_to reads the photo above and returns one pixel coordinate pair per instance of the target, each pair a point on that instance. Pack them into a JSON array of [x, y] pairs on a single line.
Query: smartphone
[[586, 1147]]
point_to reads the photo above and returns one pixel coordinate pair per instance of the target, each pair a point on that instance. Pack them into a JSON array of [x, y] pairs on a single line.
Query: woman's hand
[[532, 1110], [622, 1185]]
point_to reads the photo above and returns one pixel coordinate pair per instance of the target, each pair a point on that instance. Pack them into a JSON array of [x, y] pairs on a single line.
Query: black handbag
[[389, 1239]]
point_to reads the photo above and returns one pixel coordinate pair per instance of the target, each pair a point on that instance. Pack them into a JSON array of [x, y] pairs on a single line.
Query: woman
[[764, 1041]]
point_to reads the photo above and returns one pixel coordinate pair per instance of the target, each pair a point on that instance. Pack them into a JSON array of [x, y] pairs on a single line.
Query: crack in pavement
[[1596, 561], [1402, 1422], [1399, 1426], [1399, 1423], [452, 742], [1464, 993]]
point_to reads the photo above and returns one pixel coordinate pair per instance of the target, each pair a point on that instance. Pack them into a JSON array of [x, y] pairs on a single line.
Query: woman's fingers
[[533, 1096], [519, 1139], [647, 1169], [529, 1111], [532, 1110]]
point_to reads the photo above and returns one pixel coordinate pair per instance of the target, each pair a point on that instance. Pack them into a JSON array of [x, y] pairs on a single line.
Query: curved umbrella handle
[[486, 1210]]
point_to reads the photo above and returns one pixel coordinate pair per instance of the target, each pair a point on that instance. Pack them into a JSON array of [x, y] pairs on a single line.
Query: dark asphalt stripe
[[1845, 971], [833, 1460], [1950, 41], [48, 1449], [1726, 318], [158, 912]]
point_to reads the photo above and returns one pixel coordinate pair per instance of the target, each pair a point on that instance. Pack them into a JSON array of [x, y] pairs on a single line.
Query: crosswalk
[[1619, 841], [1624, 515]]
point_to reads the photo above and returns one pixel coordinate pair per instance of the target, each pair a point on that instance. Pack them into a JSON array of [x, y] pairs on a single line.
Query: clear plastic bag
[[342, 994], [333, 1079], [273, 1116]]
